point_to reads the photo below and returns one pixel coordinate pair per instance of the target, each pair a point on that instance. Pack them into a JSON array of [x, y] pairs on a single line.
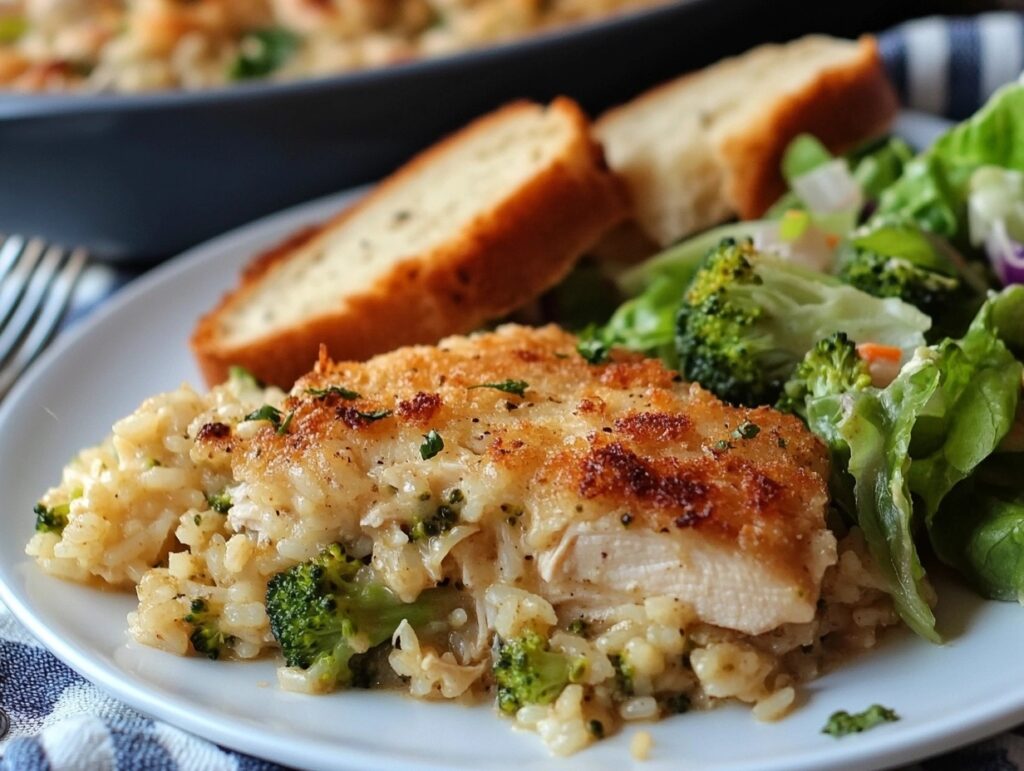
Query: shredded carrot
[[877, 352], [831, 240]]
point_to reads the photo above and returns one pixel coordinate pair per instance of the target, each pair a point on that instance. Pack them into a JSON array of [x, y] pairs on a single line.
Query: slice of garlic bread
[[707, 146], [466, 232]]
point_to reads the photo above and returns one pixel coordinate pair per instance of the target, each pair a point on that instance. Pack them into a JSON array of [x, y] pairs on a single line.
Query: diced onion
[[829, 189]]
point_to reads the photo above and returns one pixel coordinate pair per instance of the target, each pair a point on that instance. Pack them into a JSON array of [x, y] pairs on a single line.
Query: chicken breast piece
[[591, 485]]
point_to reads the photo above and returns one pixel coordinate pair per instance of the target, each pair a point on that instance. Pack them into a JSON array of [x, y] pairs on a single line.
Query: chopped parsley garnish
[[517, 387], [268, 413], [243, 377], [283, 428], [721, 445], [52, 520], [596, 728], [273, 416], [323, 393], [262, 52], [593, 350], [221, 502], [374, 415], [842, 723], [746, 430], [432, 445]]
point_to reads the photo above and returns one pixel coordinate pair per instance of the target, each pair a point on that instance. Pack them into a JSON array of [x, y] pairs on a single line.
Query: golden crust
[[510, 255], [585, 442]]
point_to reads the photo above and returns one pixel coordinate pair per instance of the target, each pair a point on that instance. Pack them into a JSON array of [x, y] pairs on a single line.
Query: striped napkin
[[54, 720]]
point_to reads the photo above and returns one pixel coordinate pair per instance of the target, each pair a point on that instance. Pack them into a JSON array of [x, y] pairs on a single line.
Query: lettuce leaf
[[932, 190], [973, 410], [877, 430], [979, 530], [920, 438]]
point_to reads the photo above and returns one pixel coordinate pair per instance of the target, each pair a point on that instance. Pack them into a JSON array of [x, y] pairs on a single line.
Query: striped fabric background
[[59, 722], [950, 66]]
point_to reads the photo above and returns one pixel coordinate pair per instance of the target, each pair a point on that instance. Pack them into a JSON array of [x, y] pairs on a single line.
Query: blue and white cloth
[[60, 722]]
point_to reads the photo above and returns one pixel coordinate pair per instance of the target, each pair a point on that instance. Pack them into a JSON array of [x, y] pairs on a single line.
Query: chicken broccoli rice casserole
[[713, 493], [139, 45], [584, 544]]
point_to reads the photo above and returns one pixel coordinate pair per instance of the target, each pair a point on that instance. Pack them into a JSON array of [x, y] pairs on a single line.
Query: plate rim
[[903, 746]]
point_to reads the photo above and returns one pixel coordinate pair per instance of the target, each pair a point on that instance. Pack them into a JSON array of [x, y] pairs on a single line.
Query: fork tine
[[46, 323], [32, 297], [17, 279], [9, 251]]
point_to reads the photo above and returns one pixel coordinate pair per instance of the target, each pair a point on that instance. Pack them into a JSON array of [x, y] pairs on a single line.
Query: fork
[[36, 283]]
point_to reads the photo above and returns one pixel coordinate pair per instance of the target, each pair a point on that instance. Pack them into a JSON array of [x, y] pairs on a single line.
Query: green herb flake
[[323, 393], [517, 387], [593, 350], [221, 502], [596, 728], [842, 723], [198, 519], [374, 415], [721, 445], [262, 52], [432, 445], [746, 430], [283, 428], [270, 414], [51, 520]]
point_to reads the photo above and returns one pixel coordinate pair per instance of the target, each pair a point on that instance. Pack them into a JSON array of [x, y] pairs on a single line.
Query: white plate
[[136, 346]]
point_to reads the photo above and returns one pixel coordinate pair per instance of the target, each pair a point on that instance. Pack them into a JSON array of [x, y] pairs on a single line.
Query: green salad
[[881, 300]]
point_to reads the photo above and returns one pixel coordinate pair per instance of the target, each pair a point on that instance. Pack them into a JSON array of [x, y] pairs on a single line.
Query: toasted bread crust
[[845, 106], [506, 257]]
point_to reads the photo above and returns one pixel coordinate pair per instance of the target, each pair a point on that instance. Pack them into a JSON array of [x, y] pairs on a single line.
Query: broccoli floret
[[713, 328], [221, 502], [527, 671], [206, 636], [326, 611], [747, 320], [884, 276], [832, 366], [624, 674], [441, 521], [53, 519]]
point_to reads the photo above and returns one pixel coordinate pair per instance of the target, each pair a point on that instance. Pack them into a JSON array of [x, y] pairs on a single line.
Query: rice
[[143, 513], [142, 45]]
